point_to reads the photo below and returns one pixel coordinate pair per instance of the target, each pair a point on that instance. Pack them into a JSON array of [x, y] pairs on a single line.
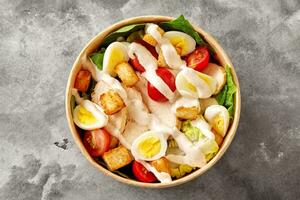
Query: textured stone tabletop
[[39, 41]]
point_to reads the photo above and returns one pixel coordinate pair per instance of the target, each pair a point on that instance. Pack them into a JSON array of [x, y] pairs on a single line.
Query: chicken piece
[[82, 81], [218, 73], [137, 110], [117, 158], [111, 102], [117, 121], [204, 103], [133, 130], [126, 73], [162, 110]]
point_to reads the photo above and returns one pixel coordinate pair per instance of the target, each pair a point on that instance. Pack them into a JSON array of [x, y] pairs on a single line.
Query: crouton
[[150, 40], [187, 113], [178, 123], [161, 165], [127, 74], [111, 102], [82, 81], [117, 158], [161, 62]]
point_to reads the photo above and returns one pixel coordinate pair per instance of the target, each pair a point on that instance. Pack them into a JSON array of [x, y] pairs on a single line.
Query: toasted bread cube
[[161, 62], [161, 165], [178, 123], [111, 102], [187, 113], [82, 81], [150, 40], [117, 158], [127, 74]]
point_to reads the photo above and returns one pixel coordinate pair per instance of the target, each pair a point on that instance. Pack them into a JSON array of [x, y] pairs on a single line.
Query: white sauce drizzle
[[150, 64], [169, 52]]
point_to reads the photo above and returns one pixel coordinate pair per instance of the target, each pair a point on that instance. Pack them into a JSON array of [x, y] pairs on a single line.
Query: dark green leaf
[[181, 24], [97, 58], [122, 32]]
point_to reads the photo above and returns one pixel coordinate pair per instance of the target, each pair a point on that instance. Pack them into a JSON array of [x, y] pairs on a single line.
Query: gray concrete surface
[[39, 41]]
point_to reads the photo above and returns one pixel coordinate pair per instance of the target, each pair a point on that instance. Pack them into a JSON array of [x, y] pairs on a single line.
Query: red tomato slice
[[96, 142], [83, 80], [141, 173], [135, 62], [136, 65], [198, 59], [168, 78], [149, 47]]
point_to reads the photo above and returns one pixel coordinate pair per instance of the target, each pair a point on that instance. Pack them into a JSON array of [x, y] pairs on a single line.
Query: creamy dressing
[[169, 52], [150, 65], [193, 154]]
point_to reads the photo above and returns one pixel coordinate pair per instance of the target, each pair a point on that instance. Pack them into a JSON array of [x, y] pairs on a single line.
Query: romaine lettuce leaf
[[209, 147], [191, 132], [226, 96]]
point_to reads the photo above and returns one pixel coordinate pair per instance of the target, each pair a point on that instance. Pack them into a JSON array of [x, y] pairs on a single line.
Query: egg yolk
[[85, 117], [218, 124], [149, 146], [189, 86]]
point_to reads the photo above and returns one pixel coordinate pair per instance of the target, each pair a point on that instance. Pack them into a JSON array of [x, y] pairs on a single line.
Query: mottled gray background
[[39, 41]]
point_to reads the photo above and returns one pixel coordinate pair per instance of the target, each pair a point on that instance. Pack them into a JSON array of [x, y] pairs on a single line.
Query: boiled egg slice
[[218, 118], [183, 43], [149, 146], [89, 116], [115, 54], [191, 83]]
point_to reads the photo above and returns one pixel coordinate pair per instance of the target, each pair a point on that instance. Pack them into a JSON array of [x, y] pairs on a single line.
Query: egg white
[[163, 146]]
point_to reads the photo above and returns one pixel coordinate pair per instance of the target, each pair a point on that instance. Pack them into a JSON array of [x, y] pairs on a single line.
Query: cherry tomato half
[[148, 47], [136, 65], [135, 62], [96, 142], [198, 59], [141, 173], [168, 78]]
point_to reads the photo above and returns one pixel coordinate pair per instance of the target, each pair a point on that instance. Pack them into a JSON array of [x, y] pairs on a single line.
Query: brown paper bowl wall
[[94, 44]]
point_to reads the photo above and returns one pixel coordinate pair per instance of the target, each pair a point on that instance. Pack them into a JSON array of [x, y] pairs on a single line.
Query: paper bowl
[[91, 47]]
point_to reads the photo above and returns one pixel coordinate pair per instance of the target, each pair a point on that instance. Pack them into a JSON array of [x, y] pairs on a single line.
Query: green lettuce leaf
[[181, 24], [209, 147], [226, 96], [97, 58], [191, 132], [122, 32]]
